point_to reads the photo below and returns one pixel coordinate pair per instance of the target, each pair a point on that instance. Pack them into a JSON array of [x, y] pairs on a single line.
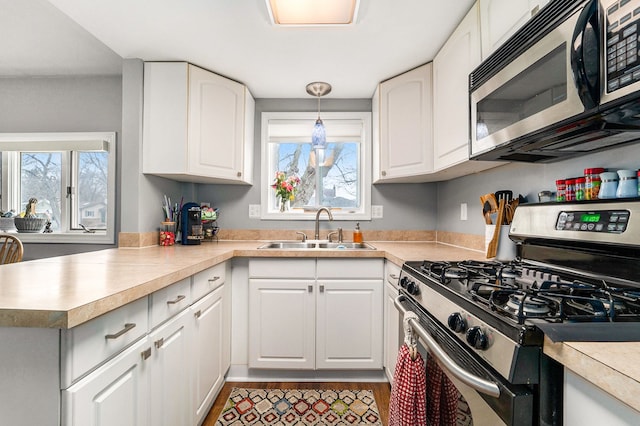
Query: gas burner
[[528, 305], [435, 269], [456, 273]]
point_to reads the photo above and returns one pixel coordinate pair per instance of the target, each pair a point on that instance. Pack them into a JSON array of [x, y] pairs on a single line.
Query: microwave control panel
[[609, 221], [621, 38]]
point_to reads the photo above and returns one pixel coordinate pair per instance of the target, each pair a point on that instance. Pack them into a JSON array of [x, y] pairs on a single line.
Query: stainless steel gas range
[[576, 277]]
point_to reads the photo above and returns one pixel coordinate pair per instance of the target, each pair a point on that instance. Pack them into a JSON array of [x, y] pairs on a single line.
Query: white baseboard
[[242, 373]]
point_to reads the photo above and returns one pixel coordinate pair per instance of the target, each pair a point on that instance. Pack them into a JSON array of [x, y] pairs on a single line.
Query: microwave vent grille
[[549, 17]]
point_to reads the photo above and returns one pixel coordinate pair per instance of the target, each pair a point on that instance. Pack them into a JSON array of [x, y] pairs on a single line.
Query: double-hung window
[[72, 177], [337, 176]]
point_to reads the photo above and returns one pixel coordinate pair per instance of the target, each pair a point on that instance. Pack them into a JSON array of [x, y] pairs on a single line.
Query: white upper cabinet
[[403, 149], [198, 126], [451, 68], [500, 19]]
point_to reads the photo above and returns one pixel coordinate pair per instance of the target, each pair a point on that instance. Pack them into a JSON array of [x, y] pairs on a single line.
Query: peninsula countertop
[[66, 291]]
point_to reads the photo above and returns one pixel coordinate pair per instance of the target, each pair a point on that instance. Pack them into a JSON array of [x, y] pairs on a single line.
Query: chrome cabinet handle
[[127, 327], [239, 174], [197, 313], [146, 354], [176, 300], [478, 383], [214, 279], [321, 288], [393, 276], [383, 173], [310, 288], [159, 343]]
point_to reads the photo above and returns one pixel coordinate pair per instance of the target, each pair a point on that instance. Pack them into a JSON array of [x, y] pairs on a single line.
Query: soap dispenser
[[357, 234]]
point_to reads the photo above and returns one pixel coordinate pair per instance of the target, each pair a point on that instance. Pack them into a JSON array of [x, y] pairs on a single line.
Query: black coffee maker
[[191, 224]]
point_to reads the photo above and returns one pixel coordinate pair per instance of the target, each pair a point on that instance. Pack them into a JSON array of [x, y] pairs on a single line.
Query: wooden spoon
[[492, 248]]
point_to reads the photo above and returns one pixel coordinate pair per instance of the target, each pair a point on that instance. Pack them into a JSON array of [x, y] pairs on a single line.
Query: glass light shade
[[319, 136]]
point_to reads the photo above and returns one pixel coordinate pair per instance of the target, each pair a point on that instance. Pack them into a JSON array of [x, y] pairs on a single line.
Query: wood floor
[[381, 393]]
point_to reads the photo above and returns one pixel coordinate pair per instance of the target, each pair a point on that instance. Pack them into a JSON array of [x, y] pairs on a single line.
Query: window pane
[[92, 189], [334, 169], [40, 174], [339, 175]]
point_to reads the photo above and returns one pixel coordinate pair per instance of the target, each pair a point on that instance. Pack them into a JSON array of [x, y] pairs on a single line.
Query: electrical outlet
[[254, 211], [376, 212], [463, 211]]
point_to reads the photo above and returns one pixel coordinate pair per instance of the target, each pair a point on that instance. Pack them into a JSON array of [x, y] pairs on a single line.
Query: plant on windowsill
[[285, 188]]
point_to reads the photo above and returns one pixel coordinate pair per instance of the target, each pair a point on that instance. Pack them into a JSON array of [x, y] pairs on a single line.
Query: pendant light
[[319, 135]]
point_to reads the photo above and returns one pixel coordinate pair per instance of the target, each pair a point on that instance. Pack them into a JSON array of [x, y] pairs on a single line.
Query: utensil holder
[[506, 248]]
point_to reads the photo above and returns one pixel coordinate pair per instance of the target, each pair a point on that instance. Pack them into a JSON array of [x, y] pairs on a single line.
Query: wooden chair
[[11, 249]]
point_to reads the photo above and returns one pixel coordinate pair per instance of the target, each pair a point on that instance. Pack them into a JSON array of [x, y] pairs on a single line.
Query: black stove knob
[[413, 288], [477, 338], [457, 323], [403, 282]]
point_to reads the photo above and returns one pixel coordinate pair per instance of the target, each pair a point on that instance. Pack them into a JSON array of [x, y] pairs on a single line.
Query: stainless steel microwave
[[566, 84]]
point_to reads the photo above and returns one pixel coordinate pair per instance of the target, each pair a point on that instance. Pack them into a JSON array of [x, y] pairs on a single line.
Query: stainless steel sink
[[346, 246], [299, 245], [281, 245]]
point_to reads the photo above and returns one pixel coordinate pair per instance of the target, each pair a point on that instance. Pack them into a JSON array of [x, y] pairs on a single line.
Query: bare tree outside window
[[40, 174]]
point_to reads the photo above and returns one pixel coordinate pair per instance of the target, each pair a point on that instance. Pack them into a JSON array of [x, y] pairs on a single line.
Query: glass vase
[[284, 204]]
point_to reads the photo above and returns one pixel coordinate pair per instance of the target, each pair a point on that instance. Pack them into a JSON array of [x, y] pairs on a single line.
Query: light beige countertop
[[65, 291], [612, 366]]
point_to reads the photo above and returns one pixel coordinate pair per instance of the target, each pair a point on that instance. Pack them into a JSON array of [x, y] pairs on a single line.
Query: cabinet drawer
[[350, 268], [392, 273], [92, 343], [282, 268], [165, 303], [208, 280]]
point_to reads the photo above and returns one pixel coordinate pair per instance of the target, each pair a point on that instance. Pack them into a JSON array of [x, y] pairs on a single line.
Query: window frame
[[307, 119], [13, 144]]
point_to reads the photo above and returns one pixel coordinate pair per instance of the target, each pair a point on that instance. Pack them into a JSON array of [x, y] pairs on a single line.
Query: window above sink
[[341, 170]]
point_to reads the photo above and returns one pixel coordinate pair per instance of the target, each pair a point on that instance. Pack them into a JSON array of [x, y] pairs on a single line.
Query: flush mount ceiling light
[[313, 12], [319, 135]]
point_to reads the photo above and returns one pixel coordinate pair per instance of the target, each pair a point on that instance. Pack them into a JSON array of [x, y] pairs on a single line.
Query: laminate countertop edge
[[66, 291], [613, 367]]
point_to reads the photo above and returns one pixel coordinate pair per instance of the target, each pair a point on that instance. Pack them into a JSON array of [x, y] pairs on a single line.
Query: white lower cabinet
[[392, 320], [170, 382], [114, 394], [282, 323], [169, 376], [303, 319], [210, 358]]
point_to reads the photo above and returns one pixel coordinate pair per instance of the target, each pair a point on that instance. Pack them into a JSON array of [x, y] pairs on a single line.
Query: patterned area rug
[[299, 407]]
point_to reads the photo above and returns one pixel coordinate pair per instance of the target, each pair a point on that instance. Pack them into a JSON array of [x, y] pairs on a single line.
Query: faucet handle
[[304, 236], [330, 234], [340, 235]]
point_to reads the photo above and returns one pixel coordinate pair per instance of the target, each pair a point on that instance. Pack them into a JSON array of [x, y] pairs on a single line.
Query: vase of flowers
[[285, 188]]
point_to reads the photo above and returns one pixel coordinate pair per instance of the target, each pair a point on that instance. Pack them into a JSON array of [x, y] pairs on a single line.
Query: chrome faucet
[[320, 210]]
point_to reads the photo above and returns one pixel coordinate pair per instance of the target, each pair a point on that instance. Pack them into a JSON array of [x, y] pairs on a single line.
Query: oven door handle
[[477, 383]]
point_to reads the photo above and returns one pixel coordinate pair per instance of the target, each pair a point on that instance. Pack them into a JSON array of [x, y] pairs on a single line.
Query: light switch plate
[[254, 211], [376, 212], [463, 211]]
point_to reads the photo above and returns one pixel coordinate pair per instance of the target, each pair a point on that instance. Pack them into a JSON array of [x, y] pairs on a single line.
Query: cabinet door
[[500, 19], [114, 394], [406, 147], [207, 370], [216, 125], [391, 331], [451, 68], [281, 323], [170, 391], [349, 324]]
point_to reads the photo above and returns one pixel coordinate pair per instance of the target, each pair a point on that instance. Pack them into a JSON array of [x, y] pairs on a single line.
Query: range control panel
[[609, 221]]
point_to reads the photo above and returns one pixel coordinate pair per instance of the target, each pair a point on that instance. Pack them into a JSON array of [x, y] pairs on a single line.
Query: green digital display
[[590, 217]]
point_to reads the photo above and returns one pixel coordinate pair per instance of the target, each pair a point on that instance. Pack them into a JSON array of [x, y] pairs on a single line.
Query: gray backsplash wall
[[405, 206], [521, 178]]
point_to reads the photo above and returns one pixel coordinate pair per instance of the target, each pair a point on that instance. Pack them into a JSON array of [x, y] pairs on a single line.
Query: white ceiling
[[231, 37]]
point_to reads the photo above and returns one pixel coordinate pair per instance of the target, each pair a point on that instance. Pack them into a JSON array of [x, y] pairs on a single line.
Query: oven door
[[489, 398], [531, 92]]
